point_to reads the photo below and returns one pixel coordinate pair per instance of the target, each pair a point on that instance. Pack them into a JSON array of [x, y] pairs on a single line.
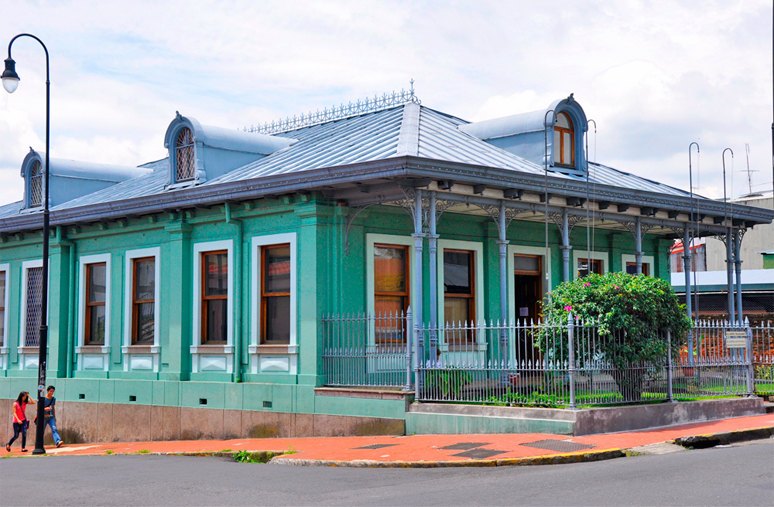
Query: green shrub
[[632, 314]]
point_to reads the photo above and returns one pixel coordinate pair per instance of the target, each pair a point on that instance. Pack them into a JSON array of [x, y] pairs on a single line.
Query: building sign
[[736, 339]]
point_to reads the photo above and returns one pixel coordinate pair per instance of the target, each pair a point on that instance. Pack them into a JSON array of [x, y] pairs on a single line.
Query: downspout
[[237, 292], [638, 245], [417, 296], [687, 271], [566, 247], [738, 265], [503, 248], [72, 312], [432, 240]]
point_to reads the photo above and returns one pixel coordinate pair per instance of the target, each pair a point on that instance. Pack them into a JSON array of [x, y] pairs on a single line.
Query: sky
[[654, 75]]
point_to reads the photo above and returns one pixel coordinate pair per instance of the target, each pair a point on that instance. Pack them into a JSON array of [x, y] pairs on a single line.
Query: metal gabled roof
[[372, 136], [11, 209], [602, 174], [145, 185]]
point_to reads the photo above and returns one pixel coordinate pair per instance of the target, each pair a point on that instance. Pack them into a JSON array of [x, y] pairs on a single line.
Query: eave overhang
[[342, 183]]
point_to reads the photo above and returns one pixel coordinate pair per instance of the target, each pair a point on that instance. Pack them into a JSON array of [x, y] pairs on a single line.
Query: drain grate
[[559, 445], [464, 446], [479, 453], [376, 446]]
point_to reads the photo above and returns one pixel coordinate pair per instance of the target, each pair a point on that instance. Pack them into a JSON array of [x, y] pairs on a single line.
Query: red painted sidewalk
[[422, 448]]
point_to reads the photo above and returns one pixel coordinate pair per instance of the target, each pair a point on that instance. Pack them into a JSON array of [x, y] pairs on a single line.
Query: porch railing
[[565, 363]]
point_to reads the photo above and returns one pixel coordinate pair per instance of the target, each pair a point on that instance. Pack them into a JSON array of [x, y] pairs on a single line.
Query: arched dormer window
[[36, 185], [564, 141], [185, 168]]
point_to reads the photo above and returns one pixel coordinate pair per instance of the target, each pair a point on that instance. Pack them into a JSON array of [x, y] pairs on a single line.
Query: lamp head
[[10, 77]]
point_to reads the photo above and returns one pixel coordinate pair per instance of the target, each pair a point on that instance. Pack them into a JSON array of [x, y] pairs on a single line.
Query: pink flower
[[568, 308], [587, 284], [617, 287]]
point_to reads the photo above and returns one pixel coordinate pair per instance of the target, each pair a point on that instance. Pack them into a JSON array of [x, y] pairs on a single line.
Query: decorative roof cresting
[[358, 107]]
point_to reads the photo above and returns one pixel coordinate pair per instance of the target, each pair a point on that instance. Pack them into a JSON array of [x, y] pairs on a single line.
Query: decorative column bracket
[[494, 212], [572, 221], [631, 226]]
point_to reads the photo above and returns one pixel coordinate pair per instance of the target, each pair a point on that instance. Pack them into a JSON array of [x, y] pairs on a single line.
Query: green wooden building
[[187, 295]]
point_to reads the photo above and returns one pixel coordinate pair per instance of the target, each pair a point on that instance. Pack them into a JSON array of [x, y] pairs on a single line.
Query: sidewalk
[[438, 450]]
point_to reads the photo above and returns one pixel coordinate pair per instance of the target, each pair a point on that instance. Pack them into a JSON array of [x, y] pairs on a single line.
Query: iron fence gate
[[565, 363]]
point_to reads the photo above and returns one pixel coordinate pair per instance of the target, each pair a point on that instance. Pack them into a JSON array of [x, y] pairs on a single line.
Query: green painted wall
[[330, 276]]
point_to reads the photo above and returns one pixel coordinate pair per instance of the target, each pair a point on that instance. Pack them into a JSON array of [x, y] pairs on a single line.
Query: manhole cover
[[464, 446], [479, 453], [375, 446], [559, 445]]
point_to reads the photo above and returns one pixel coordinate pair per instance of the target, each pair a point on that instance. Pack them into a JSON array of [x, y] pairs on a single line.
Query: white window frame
[[4, 348], [646, 259], [131, 351], [216, 351], [510, 266], [28, 356], [288, 354], [478, 260], [87, 353], [582, 254], [386, 239]]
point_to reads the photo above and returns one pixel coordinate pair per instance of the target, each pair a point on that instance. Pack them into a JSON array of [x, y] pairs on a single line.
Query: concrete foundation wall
[[79, 422]]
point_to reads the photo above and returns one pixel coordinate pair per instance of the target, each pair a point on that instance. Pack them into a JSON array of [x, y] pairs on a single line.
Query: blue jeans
[[52, 422], [19, 428]]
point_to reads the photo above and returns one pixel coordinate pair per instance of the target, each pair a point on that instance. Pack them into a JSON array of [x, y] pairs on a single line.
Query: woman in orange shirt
[[20, 422]]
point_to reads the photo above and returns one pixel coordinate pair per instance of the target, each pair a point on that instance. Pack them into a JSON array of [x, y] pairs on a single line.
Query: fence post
[[750, 372], [670, 395], [571, 350], [409, 328]]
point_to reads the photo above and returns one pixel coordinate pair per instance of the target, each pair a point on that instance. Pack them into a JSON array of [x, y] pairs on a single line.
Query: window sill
[[29, 350], [272, 349], [92, 349], [140, 349], [212, 349]]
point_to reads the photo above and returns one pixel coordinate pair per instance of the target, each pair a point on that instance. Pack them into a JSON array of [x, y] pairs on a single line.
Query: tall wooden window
[[3, 277], [391, 292], [184, 156], [564, 141], [96, 279], [36, 185], [214, 298], [631, 268], [583, 267], [275, 294], [143, 300], [459, 298]]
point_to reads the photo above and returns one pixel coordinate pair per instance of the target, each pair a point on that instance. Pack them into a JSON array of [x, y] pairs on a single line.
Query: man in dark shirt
[[50, 417]]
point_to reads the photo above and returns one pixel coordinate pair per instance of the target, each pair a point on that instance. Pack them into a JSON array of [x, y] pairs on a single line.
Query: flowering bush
[[632, 314]]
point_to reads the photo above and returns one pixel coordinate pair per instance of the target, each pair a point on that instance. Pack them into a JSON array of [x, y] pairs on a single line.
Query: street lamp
[[10, 82]]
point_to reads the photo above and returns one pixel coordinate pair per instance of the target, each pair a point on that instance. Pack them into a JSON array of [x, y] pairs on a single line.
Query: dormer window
[[36, 185], [564, 141], [184, 156]]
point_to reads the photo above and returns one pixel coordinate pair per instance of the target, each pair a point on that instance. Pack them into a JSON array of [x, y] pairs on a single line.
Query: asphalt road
[[736, 475]]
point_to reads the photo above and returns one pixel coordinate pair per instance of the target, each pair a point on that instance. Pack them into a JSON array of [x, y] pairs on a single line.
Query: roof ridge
[[367, 105]]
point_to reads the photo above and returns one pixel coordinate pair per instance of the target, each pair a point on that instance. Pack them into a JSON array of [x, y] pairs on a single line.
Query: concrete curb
[[725, 438], [554, 459]]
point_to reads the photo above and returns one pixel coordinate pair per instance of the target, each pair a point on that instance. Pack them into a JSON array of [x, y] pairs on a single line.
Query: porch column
[[687, 271], [418, 282], [503, 244], [638, 244], [729, 272], [566, 247], [432, 240], [738, 264]]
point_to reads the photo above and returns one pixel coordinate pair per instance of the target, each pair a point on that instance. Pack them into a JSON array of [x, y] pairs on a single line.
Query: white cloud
[[654, 75]]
